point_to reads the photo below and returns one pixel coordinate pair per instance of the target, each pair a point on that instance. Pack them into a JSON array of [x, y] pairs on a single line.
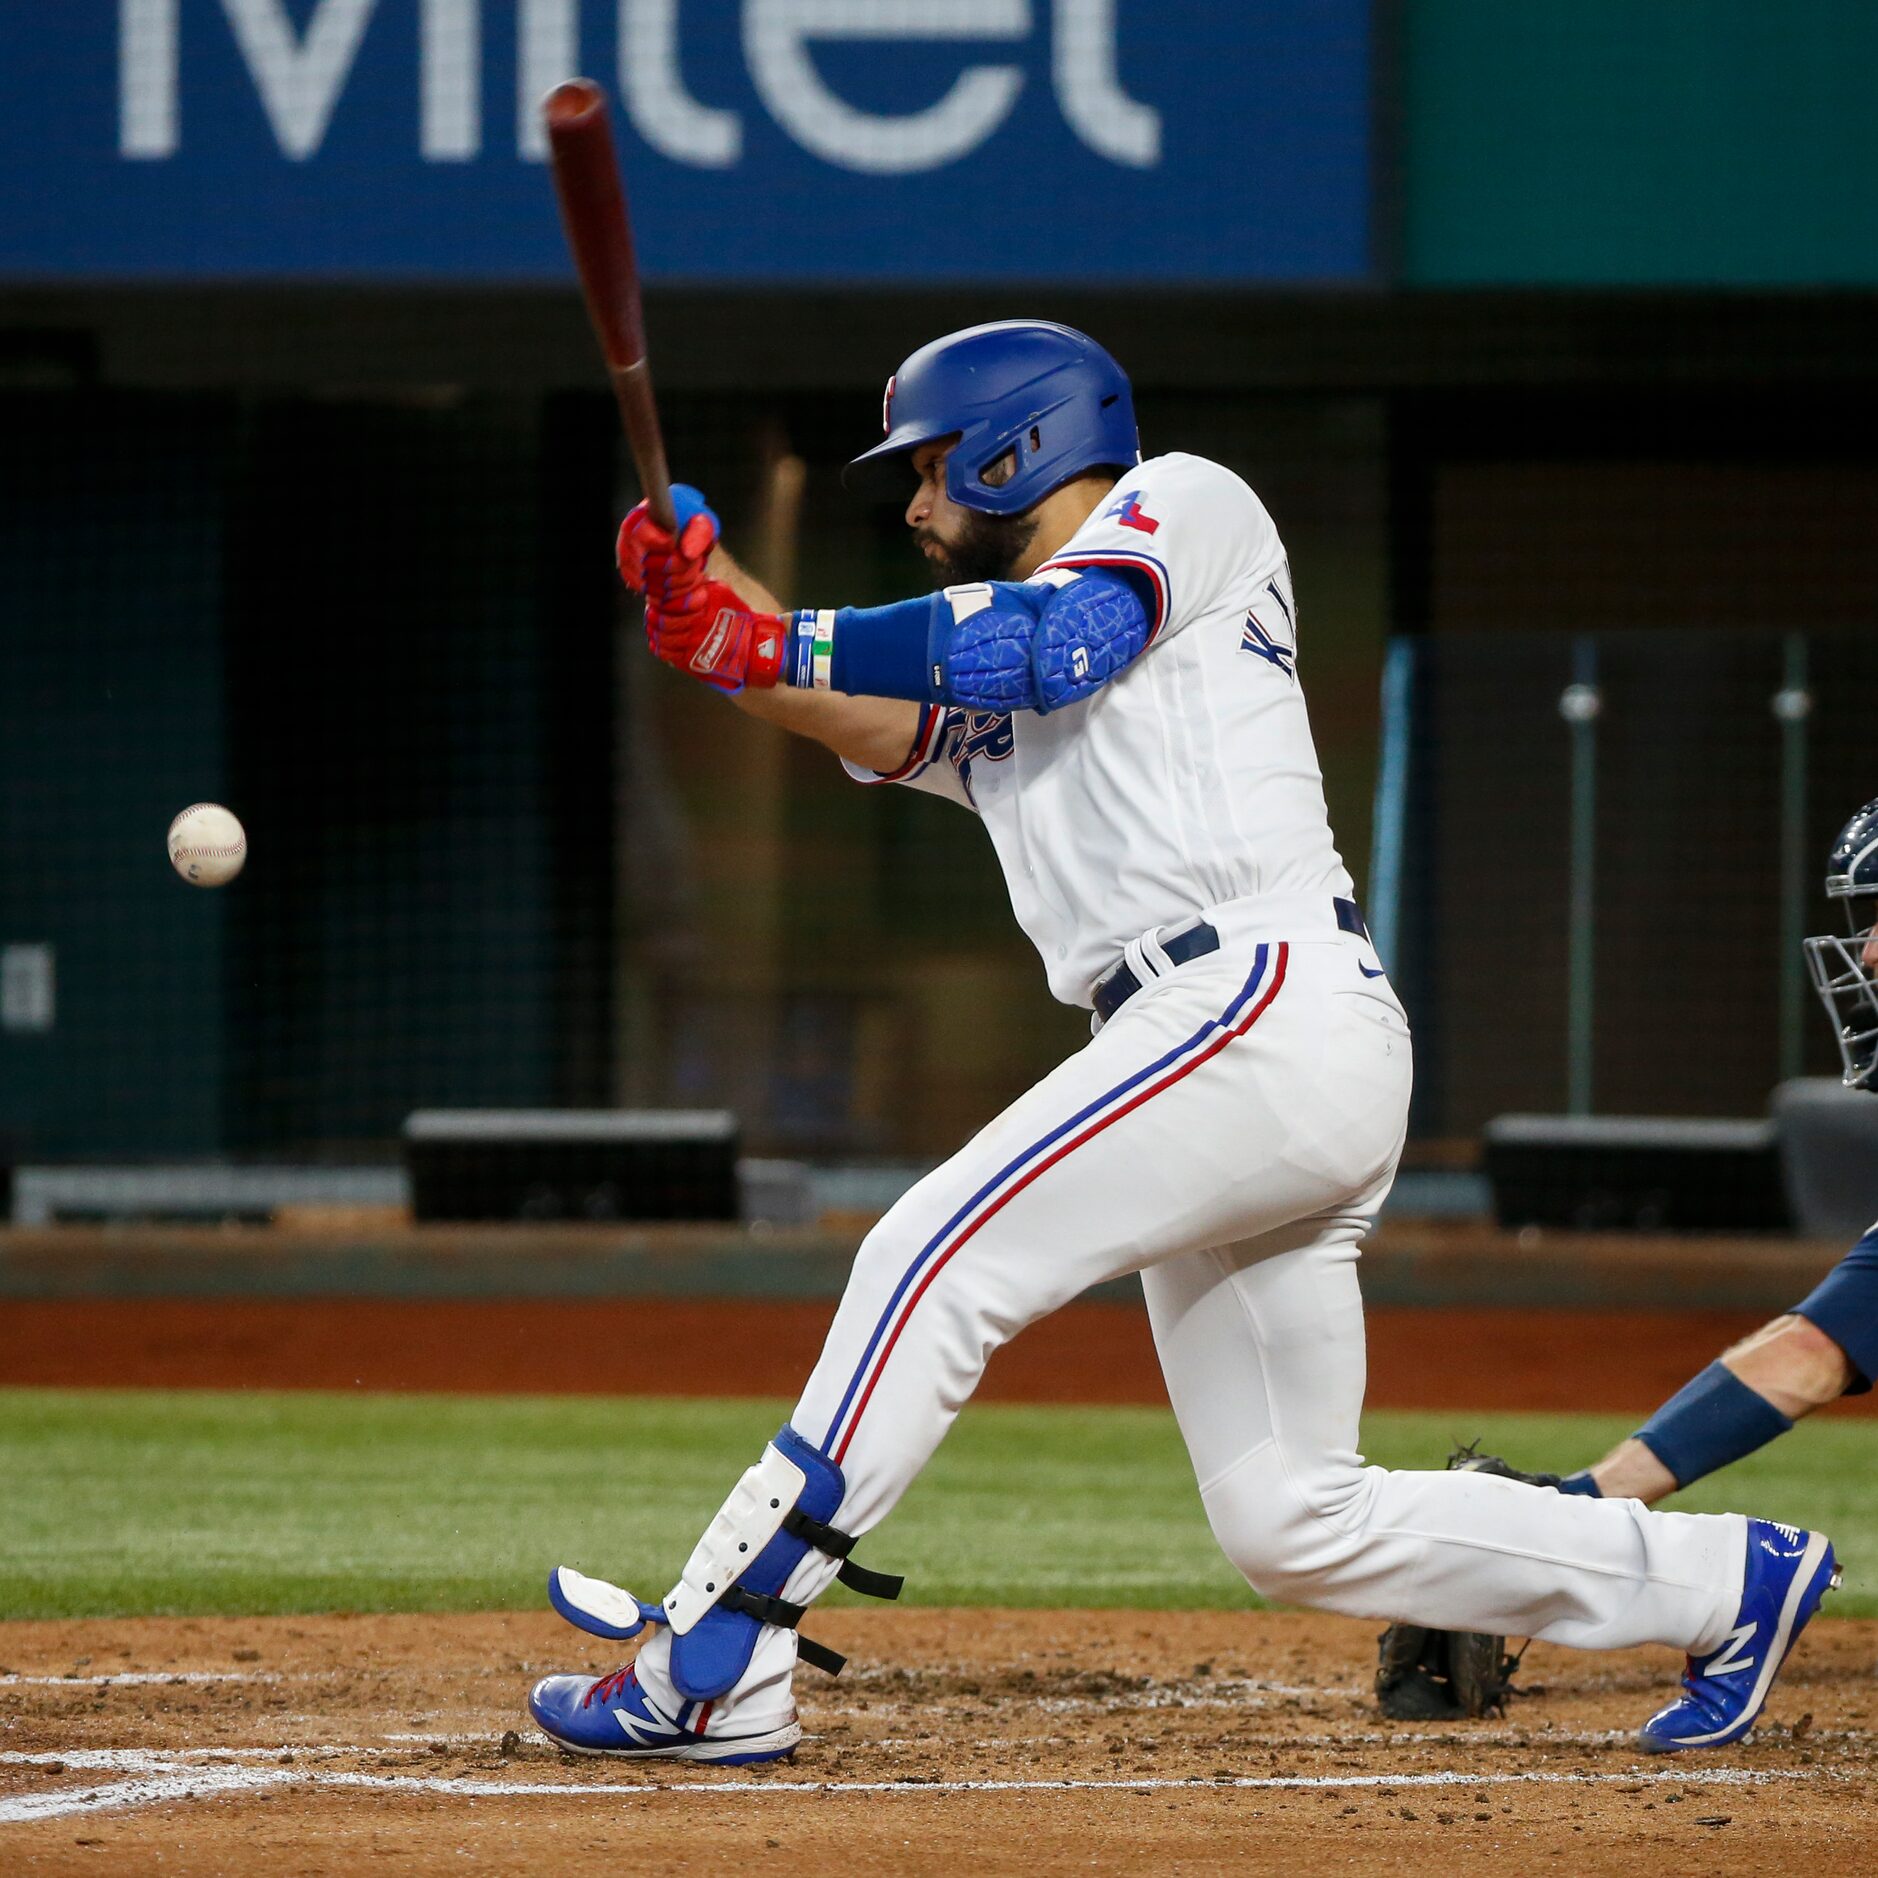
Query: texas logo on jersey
[[1130, 514]]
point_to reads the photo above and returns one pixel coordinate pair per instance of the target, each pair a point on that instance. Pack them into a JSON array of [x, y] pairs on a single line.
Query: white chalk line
[[1409, 1735], [160, 1760], [196, 1783], [1226, 1693], [156, 1778], [149, 1760], [130, 1678]]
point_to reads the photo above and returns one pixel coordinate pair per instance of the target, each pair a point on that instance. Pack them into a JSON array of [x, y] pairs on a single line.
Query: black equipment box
[[1617, 1173], [572, 1164], [1829, 1148]]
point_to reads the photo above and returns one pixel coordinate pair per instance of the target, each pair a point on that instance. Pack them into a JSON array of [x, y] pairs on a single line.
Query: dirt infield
[[957, 1740], [1623, 1361]]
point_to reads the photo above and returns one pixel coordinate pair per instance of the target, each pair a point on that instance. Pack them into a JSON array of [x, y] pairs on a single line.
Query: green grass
[[128, 1502]]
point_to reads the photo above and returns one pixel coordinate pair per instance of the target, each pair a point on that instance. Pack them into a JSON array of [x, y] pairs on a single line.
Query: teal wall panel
[[111, 719], [330, 614], [1640, 142]]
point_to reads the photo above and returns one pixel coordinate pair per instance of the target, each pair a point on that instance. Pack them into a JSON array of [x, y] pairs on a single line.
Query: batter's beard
[[987, 547]]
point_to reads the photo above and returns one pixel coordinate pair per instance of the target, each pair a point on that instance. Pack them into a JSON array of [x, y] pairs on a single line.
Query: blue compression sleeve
[[881, 651], [1708, 1422], [1002, 645]]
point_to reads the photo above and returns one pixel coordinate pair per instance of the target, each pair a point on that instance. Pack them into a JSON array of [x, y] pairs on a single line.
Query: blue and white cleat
[[613, 1715], [1788, 1572]]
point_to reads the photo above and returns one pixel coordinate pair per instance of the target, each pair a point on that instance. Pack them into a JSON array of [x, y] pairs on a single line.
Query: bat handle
[[632, 386]]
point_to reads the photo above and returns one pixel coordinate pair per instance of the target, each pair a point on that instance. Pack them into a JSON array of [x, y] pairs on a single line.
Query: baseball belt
[[1119, 983]]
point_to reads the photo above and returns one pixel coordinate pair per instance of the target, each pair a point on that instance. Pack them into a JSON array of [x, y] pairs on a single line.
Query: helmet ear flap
[[1009, 462], [1001, 468]]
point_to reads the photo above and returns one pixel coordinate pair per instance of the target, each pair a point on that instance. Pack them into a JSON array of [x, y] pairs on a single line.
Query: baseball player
[[1825, 1347], [1108, 678]]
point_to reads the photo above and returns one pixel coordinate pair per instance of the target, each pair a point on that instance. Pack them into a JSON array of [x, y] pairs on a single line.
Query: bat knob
[[572, 102]]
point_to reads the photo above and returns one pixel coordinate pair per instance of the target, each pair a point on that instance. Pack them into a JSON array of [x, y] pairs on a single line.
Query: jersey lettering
[[1271, 587], [1256, 640], [978, 736]]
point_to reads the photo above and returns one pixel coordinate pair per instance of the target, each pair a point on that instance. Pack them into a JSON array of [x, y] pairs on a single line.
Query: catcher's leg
[[1262, 1346]]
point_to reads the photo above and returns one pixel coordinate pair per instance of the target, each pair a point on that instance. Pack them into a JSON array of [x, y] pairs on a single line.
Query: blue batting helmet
[[1046, 392], [1846, 984]]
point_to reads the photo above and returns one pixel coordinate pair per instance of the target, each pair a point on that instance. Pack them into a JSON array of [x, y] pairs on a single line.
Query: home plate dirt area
[[956, 1740]]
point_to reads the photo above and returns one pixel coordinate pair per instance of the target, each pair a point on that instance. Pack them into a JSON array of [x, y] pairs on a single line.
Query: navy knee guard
[[732, 1584], [1845, 1306]]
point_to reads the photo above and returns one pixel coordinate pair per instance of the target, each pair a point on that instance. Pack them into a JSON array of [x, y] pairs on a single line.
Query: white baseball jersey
[[1188, 780]]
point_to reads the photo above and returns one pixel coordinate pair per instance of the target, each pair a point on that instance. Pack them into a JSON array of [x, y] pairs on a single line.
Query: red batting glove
[[706, 630], [652, 561]]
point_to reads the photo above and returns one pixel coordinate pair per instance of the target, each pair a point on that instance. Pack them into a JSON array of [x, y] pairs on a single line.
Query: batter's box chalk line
[[1512, 1736], [131, 1678], [150, 1778]]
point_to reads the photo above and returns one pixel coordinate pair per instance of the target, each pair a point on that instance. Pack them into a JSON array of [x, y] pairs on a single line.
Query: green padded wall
[[1640, 142]]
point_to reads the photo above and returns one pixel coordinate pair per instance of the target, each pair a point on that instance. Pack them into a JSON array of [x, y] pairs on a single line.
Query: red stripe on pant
[[1011, 1192]]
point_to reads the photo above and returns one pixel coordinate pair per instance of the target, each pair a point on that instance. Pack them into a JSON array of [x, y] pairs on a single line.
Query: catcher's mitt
[[1441, 1675]]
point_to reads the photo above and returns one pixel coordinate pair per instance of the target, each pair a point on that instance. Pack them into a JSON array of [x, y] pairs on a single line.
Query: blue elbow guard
[[980, 650], [1091, 629], [1008, 646]]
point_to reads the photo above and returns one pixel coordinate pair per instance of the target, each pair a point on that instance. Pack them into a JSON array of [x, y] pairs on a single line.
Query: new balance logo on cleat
[[1730, 1658]]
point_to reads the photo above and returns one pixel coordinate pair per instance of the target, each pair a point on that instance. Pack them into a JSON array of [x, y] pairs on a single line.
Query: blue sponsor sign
[[765, 140]]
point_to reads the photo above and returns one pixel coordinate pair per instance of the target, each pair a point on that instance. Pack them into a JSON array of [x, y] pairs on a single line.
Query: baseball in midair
[[207, 845]]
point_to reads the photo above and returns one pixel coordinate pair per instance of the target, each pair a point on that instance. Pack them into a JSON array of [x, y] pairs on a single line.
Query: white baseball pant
[[1229, 1134]]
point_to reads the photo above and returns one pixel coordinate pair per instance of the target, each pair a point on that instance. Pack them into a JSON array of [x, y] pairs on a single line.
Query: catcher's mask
[[1847, 986]]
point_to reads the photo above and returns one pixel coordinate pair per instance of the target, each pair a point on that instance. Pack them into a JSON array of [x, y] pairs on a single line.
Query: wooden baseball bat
[[592, 195]]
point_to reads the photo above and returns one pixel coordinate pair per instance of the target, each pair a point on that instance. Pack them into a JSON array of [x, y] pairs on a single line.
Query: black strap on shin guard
[[870, 1584], [837, 1544], [785, 1616]]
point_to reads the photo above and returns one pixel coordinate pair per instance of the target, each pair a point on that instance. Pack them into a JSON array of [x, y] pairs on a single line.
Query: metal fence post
[[1382, 896], [1579, 705], [1792, 705]]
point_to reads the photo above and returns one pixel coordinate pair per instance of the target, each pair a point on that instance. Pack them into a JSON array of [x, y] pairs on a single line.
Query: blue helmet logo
[[1044, 395]]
